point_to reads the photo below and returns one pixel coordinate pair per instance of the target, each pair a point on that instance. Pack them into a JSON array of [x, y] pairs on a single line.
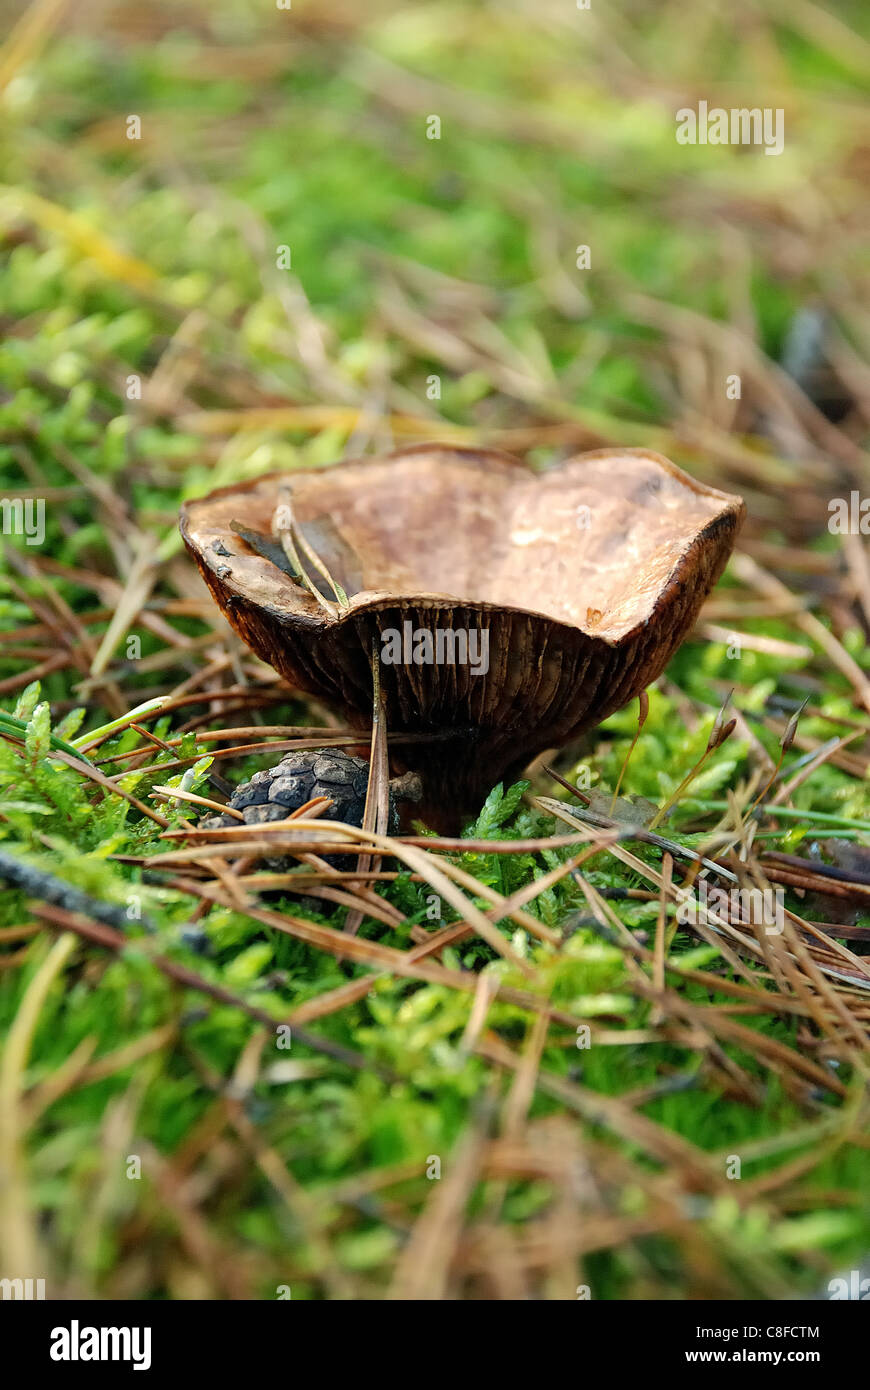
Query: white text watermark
[[738, 126], [752, 907], [441, 646], [75, 1343], [23, 516]]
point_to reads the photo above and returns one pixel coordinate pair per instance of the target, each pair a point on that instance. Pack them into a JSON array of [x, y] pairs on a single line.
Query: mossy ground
[[411, 261]]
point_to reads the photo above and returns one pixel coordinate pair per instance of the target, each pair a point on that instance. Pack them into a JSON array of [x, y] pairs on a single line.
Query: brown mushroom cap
[[587, 578]]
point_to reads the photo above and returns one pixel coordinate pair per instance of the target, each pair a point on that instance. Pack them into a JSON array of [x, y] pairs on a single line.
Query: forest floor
[[234, 244]]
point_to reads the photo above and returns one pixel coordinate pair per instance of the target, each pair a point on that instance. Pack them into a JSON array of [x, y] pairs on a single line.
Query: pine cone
[[272, 794]]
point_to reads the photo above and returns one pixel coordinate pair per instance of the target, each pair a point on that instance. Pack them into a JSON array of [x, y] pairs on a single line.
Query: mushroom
[[509, 610]]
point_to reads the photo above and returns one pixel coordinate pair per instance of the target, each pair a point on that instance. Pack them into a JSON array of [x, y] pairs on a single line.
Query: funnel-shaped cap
[[510, 610]]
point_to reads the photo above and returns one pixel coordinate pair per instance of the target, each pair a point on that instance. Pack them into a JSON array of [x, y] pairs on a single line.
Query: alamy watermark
[[25, 1290], [739, 126], [77, 1343], [753, 907], [851, 1288], [441, 646], [849, 516], [23, 516]]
